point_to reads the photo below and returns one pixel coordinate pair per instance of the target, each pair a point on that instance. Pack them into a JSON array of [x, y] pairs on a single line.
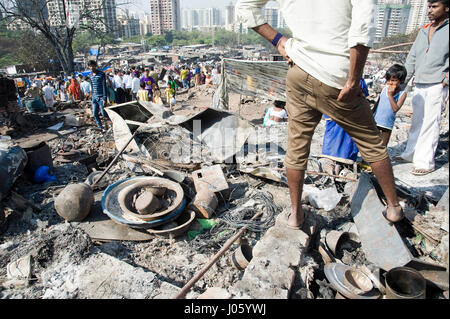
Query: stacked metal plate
[[111, 205]]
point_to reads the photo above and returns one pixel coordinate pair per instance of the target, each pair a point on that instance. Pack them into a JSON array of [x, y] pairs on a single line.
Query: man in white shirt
[[119, 87], [127, 83], [85, 88], [135, 85], [327, 54], [48, 91]]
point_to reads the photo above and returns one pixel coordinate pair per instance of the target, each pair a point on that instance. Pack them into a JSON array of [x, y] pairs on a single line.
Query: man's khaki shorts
[[307, 100]]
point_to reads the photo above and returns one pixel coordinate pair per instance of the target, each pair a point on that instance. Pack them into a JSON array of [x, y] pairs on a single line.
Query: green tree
[[156, 41], [168, 36], [36, 51]]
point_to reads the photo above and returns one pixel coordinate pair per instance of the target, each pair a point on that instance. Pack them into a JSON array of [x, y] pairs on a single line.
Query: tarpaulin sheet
[[265, 79]]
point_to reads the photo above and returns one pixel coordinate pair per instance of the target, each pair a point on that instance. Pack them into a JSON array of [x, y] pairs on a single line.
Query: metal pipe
[[114, 160], [213, 260]]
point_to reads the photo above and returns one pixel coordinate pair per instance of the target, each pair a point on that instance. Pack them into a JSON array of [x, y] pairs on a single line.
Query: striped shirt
[[98, 84]]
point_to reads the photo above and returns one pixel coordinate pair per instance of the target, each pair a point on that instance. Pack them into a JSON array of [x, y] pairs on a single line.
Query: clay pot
[[205, 203], [74, 202]]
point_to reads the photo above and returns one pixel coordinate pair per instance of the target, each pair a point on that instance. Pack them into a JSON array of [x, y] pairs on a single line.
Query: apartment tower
[[165, 15]]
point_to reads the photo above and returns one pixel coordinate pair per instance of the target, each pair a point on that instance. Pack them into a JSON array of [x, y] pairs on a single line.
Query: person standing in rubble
[[111, 93], [170, 97], [428, 62], [142, 93], [49, 93], [215, 83], [74, 89], [33, 101], [62, 91], [153, 74], [135, 84], [390, 101], [148, 81], [127, 83], [9, 108], [327, 55], [119, 87], [99, 93], [197, 76], [275, 114], [184, 77], [86, 88], [171, 82]]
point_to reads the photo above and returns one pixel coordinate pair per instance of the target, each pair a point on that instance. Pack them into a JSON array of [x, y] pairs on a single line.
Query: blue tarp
[[336, 142], [93, 52], [85, 73]]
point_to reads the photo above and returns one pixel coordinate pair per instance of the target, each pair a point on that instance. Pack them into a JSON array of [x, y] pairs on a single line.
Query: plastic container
[[42, 175]]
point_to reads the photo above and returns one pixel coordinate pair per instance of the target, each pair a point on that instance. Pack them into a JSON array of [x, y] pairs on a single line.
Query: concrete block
[[264, 279], [282, 244]]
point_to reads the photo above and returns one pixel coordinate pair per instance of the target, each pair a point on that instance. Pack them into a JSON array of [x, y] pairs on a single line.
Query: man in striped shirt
[[99, 92]]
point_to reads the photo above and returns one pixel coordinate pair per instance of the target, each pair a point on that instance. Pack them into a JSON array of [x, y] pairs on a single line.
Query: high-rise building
[[271, 15], [281, 21], [35, 9], [391, 19], [418, 16], [189, 18], [195, 18], [145, 25], [99, 13], [229, 16], [165, 15], [128, 25]]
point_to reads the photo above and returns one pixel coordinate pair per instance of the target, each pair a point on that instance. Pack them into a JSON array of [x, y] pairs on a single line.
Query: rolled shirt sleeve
[[249, 12], [362, 29]]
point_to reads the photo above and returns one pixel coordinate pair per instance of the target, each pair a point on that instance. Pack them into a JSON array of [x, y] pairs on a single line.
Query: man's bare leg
[[295, 182], [383, 171]]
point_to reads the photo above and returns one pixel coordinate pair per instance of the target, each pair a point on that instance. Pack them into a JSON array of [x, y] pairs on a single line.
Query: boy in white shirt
[[275, 114]]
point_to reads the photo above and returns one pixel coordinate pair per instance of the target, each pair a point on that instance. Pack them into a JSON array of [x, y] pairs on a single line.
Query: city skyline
[[187, 4]]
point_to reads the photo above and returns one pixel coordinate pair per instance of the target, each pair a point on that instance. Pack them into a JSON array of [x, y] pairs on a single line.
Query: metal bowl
[[111, 207], [357, 281], [126, 194]]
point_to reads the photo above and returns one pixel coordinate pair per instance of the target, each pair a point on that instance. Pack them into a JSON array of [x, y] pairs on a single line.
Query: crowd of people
[[157, 85]]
